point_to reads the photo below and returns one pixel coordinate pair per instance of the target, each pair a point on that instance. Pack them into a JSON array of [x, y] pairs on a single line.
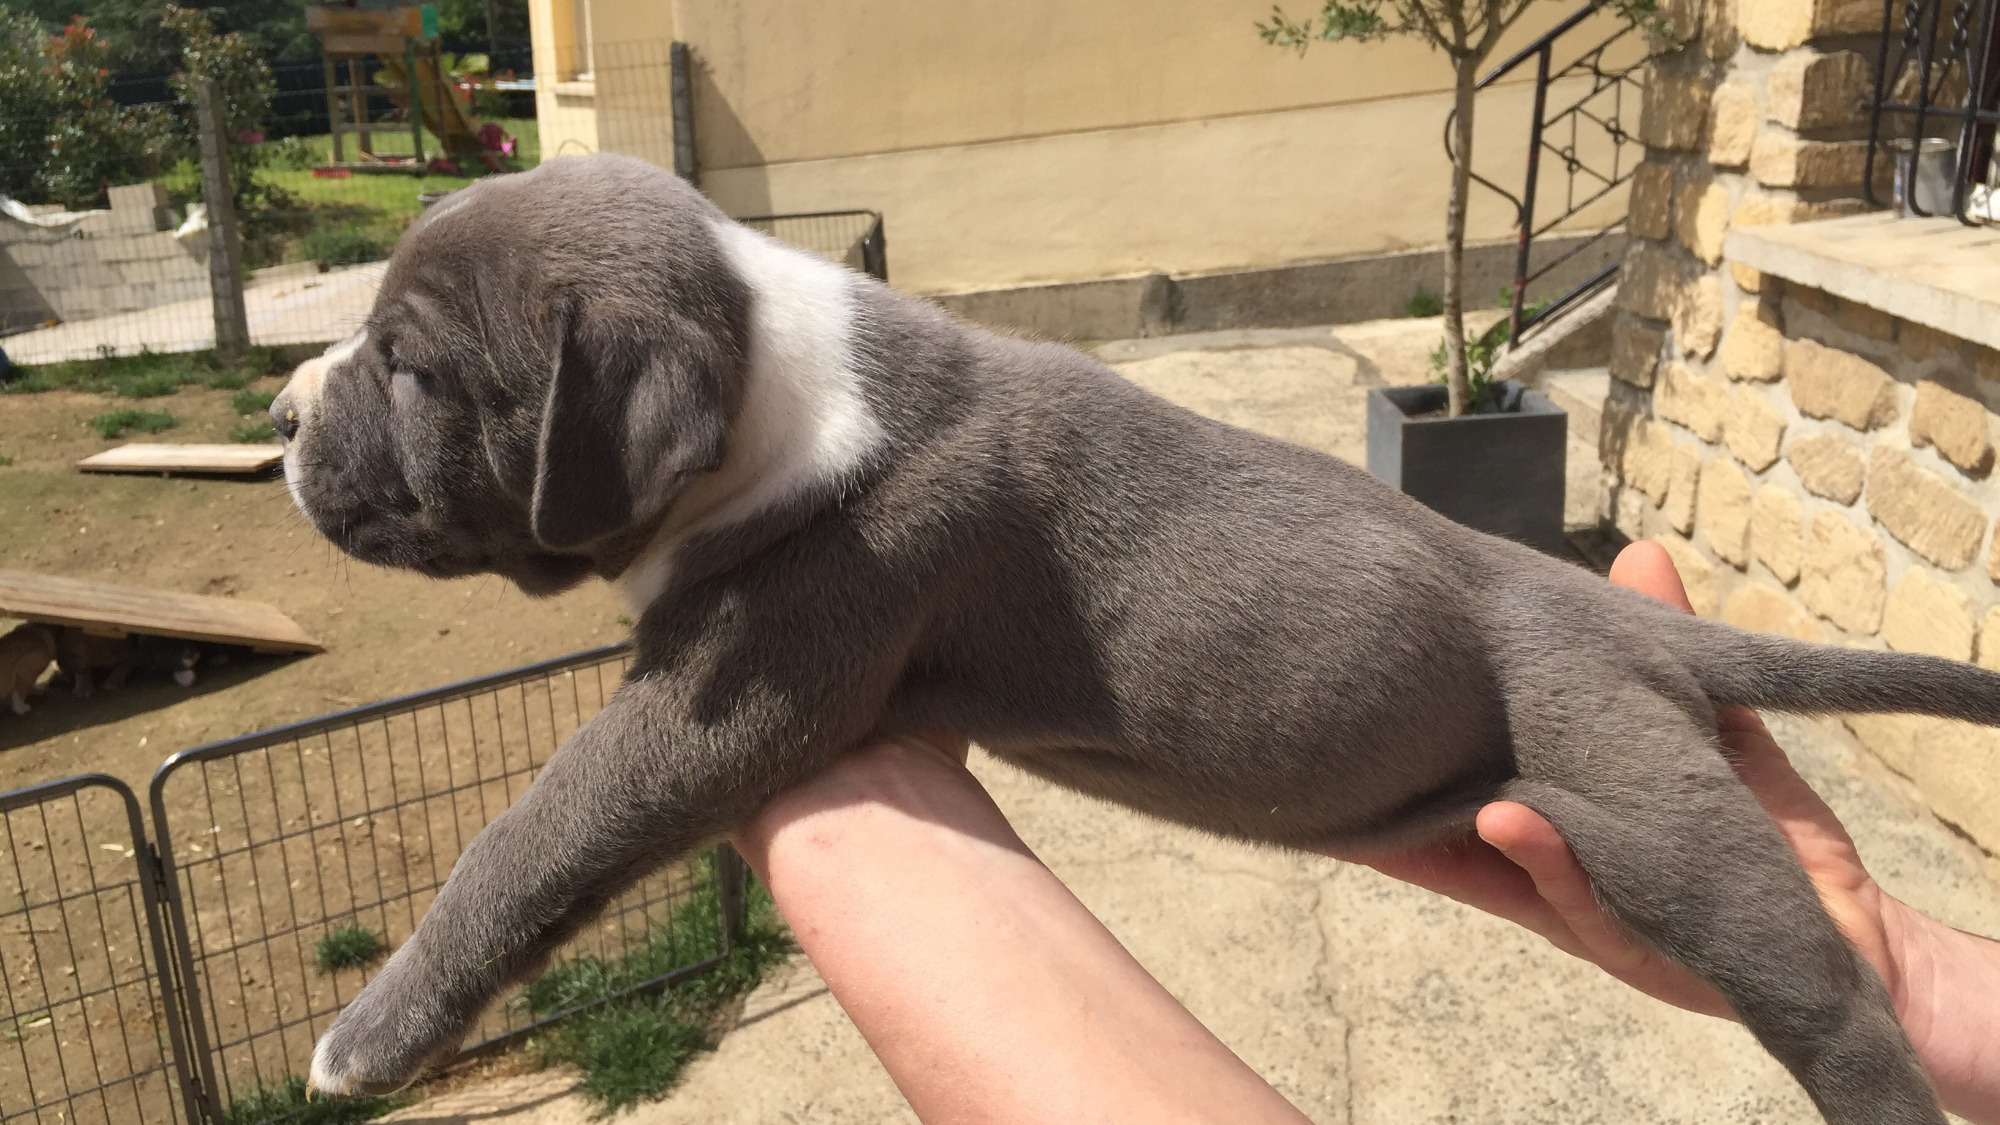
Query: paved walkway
[[316, 309], [1363, 1000]]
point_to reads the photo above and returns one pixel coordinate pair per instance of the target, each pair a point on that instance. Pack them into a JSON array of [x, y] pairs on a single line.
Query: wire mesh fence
[[89, 1034], [345, 159], [187, 979]]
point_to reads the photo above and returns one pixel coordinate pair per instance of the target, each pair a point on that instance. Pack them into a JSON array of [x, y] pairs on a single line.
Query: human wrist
[[1946, 987]]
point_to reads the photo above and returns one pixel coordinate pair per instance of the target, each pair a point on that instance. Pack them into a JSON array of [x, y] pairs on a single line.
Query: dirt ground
[[386, 633]]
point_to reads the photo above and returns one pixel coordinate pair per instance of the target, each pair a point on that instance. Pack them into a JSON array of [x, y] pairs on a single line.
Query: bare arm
[[987, 990]]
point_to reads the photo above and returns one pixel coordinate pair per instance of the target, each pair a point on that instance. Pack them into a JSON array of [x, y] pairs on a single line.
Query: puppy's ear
[[638, 406]]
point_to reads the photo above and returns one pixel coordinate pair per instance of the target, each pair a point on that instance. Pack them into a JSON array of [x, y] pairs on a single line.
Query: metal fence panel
[[278, 840], [91, 1033]]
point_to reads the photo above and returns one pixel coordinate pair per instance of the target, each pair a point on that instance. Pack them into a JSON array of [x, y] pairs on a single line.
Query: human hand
[[1945, 984]]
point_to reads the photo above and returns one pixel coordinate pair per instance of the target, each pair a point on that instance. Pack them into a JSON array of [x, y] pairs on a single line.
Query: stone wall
[[106, 262], [1816, 467]]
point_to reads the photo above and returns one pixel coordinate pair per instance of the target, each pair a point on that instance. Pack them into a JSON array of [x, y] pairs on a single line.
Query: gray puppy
[[841, 512]]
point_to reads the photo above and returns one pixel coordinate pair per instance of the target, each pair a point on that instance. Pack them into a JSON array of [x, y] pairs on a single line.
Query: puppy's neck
[[803, 425]]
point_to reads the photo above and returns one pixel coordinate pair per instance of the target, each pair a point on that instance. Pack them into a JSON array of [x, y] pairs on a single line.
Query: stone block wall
[[110, 261], [1816, 467]]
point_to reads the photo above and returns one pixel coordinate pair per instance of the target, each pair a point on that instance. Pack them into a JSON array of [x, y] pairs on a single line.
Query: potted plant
[[1499, 467], [1489, 455]]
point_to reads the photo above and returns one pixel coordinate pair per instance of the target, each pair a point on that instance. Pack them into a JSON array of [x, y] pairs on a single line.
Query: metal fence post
[[680, 66], [730, 880], [225, 251]]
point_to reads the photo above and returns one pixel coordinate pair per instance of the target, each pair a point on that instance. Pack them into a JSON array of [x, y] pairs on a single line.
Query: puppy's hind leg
[[629, 791], [1681, 853]]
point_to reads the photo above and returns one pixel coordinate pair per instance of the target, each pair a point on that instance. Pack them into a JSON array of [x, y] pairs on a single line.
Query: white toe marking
[[803, 420]]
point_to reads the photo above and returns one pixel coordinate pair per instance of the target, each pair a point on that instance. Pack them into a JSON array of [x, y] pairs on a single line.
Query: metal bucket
[[1925, 171]]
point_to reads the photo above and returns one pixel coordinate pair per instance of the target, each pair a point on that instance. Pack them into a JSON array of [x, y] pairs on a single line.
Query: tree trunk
[[1456, 376]]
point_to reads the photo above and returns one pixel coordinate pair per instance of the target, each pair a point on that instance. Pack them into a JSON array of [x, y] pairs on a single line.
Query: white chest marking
[[803, 420]]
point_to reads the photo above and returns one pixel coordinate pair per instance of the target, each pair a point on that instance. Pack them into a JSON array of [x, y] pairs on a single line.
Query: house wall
[[1816, 467], [1012, 144]]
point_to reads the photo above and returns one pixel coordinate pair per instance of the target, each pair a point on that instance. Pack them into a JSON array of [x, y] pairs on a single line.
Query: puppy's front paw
[[374, 1047]]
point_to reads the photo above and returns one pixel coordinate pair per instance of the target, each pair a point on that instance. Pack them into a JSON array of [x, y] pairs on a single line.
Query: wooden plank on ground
[[156, 457], [107, 609]]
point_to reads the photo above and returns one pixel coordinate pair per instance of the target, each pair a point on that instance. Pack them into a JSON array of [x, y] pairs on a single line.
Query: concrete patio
[[285, 306], [1361, 999]]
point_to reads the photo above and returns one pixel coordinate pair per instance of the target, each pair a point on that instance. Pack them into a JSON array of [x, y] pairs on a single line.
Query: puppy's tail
[[1760, 670]]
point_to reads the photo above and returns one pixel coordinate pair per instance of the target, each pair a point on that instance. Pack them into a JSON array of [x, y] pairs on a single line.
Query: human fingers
[[1646, 567], [1530, 842], [1474, 873]]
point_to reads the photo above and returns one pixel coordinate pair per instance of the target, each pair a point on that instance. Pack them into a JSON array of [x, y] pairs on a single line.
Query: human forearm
[[987, 990], [1947, 993]]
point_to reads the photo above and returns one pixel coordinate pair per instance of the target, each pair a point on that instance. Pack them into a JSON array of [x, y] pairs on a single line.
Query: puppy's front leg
[[632, 789]]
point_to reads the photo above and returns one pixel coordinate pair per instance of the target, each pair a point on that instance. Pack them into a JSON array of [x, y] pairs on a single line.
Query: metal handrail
[[1521, 318]]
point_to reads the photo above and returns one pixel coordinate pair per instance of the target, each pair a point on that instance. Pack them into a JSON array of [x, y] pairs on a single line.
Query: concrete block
[[1844, 574], [1922, 510]]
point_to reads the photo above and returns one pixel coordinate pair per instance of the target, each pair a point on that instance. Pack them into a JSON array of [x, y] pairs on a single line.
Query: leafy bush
[[243, 82], [118, 423], [293, 154], [343, 244], [62, 138], [348, 947], [1423, 303]]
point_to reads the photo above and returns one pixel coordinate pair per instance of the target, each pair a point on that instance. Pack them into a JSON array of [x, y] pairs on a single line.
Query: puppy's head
[[553, 356]]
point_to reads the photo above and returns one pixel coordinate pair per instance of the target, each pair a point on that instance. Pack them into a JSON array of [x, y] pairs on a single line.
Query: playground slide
[[444, 116]]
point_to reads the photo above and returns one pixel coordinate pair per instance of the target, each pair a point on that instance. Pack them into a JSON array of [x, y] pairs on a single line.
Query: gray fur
[[1211, 626]]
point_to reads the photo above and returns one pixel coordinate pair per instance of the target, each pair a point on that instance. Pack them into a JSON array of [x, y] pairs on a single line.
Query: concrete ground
[[284, 306], [1361, 999]]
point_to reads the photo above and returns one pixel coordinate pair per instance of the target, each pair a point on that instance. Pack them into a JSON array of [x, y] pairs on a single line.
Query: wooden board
[[110, 610], [145, 457]]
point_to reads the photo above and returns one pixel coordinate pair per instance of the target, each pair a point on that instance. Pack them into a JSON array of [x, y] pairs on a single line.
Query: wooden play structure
[[103, 609], [390, 53]]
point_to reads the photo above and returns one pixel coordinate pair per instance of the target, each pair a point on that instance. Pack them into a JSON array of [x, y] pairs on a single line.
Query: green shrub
[[631, 1048], [118, 423], [1423, 303], [289, 1102], [348, 947], [344, 244], [6, 459], [251, 402]]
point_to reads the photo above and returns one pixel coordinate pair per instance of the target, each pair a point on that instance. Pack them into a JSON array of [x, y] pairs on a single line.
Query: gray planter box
[[1499, 473]]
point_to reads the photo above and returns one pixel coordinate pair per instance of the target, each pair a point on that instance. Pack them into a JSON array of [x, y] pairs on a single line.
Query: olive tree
[[1467, 31]]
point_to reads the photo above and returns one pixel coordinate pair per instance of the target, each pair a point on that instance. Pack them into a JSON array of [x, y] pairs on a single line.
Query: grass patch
[[1423, 303], [288, 1102], [633, 1048], [251, 402], [118, 423], [346, 243], [6, 459], [348, 947], [146, 375], [255, 432]]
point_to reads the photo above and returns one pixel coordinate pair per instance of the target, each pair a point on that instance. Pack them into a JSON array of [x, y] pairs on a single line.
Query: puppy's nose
[[284, 416]]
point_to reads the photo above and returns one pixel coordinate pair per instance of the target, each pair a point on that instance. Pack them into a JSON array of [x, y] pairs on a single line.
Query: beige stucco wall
[[1012, 143]]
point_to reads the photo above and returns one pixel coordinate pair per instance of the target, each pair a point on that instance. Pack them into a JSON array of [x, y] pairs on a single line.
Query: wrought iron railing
[[1936, 108], [1584, 108]]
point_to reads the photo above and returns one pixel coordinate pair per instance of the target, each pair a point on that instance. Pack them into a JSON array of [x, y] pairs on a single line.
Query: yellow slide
[[443, 115]]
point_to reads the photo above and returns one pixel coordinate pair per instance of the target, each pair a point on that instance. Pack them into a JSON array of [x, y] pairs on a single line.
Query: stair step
[[1581, 393]]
